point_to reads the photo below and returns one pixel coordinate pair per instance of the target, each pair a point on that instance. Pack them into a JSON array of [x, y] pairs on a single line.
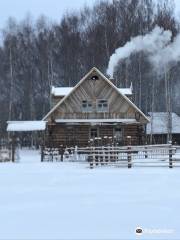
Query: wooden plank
[[118, 106]]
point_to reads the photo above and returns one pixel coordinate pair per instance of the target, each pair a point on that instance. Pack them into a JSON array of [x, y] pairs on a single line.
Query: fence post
[[42, 153], [91, 162], [90, 158], [51, 154], [61, 151], [116, 154], [170, 157], [13, 148], [97, 157], [102, 153], [93, 156], [112, 159], [62, 154], [129, 157], [76, 153], [146, 153], [109, 153], [104, 157]]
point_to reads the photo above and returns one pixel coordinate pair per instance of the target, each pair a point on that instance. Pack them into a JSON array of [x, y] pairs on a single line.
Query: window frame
[[87, 109], [102, 109]]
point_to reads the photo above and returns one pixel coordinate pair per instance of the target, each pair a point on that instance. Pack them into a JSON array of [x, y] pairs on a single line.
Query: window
[[118, 134], [102, 105], [86, 106], [93, 133]]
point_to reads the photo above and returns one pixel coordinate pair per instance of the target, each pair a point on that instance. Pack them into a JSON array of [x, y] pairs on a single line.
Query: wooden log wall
[[72, 135], [136, 134], [106, 131], [67, 135]]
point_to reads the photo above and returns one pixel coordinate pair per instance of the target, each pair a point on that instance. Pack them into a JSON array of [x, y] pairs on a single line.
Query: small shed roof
[[160, 123], [26, 126], [63, 91]]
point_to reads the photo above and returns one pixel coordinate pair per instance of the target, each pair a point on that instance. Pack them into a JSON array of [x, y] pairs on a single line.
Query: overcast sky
[[53, 9]]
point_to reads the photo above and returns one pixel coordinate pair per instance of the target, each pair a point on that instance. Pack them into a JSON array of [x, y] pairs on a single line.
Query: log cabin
[[94, 110], [161, 125]]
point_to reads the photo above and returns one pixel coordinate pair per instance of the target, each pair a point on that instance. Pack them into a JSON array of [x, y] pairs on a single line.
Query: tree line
[[36, 55]]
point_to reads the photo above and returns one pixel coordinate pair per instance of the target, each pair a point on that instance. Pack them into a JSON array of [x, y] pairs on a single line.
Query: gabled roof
[[63, 91], [159, 123], [108, 81]]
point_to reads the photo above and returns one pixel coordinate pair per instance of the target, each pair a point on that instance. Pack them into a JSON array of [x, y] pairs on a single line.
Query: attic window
[[86, 106], [102, 105], [94, 77]]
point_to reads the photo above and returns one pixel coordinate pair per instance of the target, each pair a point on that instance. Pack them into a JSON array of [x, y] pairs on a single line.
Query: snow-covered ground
[[70, 201]]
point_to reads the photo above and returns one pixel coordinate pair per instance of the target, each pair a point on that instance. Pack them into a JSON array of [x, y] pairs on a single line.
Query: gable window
[[102, 105], [86, 106]]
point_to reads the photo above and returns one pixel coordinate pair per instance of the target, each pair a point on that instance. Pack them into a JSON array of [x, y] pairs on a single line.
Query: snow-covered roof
[[60, 91], [26, 126], [63, 91], [160, 123], [125, 91], [120, 120]]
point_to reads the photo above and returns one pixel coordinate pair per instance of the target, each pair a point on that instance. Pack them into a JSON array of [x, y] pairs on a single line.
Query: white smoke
[[168, 55], [153, 43]]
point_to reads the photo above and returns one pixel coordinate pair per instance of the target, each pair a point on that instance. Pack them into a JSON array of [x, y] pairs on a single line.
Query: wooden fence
[[129, 156]]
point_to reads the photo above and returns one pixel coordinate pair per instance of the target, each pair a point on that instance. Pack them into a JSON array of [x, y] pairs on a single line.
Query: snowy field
[[70, 201]]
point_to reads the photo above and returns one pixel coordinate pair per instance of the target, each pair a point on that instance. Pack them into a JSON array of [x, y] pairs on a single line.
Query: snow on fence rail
[[148, 155]]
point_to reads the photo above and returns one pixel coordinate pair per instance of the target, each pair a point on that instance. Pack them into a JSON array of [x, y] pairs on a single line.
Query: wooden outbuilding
[[163, 127], [17, 128], [95, 111]]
